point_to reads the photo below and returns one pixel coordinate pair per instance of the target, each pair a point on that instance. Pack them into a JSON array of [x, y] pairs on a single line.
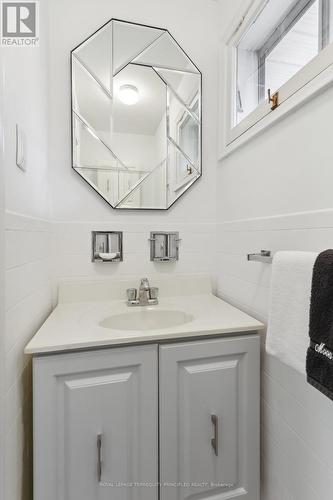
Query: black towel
[[319, 360]]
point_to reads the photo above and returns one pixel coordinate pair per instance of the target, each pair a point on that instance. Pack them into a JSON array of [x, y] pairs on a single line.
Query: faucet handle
[[153, 292], [131, 293]]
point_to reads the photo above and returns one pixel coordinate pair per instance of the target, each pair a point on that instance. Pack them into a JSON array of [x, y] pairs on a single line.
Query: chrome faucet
[[144, 296]]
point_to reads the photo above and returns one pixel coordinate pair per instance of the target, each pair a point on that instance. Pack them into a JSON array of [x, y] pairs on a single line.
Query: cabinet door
[[95, 425], [209, 419]]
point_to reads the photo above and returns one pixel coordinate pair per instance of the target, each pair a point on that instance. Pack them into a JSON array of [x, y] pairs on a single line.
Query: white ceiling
[[145, 116]]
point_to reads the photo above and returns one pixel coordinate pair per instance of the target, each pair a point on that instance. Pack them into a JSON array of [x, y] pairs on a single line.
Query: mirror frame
[[200, 142]]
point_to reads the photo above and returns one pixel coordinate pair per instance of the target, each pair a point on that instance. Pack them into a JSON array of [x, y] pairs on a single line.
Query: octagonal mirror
[[136, 116]]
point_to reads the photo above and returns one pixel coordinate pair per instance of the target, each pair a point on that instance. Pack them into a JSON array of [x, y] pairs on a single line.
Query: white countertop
[[75, 325]]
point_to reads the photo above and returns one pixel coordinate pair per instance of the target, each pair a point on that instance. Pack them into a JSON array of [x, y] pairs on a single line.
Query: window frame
[[295, 13], [313, 78]]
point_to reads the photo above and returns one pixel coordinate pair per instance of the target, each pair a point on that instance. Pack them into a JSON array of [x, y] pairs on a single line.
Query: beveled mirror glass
[[136, 116]]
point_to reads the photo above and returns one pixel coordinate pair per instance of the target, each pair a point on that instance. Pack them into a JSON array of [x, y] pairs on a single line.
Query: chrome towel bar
[[264, 256]]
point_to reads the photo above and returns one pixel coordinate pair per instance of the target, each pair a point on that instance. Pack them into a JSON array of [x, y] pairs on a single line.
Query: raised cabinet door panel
[[210, 390], [96, 425]]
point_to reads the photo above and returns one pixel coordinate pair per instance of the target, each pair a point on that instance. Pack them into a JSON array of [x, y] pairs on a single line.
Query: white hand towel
[[288, 321]]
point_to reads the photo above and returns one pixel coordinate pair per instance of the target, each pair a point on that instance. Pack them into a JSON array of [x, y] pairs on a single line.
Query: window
[[279, 46]]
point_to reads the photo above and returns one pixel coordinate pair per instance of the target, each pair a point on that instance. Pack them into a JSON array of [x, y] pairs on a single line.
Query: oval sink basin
[[146, 319]]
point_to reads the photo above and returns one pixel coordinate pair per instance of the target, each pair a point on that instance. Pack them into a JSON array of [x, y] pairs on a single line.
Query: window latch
[[273, 99]]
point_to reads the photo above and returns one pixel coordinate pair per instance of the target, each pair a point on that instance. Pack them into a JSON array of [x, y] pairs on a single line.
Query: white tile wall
[[296, 419], [24, 78], [28, 303], [71, 247], [38, 253], [297, 430], [2, 328]]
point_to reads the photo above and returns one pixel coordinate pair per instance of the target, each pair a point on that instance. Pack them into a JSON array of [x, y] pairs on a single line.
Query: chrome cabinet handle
[[99, 457], [215, 440]]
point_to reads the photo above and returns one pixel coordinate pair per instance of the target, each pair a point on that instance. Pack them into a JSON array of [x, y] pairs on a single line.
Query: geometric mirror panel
[[136, 116]]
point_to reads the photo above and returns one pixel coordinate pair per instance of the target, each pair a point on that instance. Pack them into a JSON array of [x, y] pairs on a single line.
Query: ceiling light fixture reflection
[[128, 94]]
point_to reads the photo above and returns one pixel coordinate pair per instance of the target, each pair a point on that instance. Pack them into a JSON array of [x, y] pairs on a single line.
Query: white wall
[[28, 303], [26, 244], [2, 291], [2, 350], [76, 208], [26, 104], [44, 240], [194, 25], [276, 193], [2, 341], [273, 193]]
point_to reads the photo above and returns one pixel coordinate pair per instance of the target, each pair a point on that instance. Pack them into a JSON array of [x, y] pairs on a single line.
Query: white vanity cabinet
[[209, 419], [95, 425], [108, 421]]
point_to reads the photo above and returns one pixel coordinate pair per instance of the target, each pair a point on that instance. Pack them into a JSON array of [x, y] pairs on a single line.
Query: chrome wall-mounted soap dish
[[107, 246]]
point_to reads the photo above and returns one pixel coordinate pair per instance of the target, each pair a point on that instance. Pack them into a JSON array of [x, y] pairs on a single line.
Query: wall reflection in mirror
[[136, 116]]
